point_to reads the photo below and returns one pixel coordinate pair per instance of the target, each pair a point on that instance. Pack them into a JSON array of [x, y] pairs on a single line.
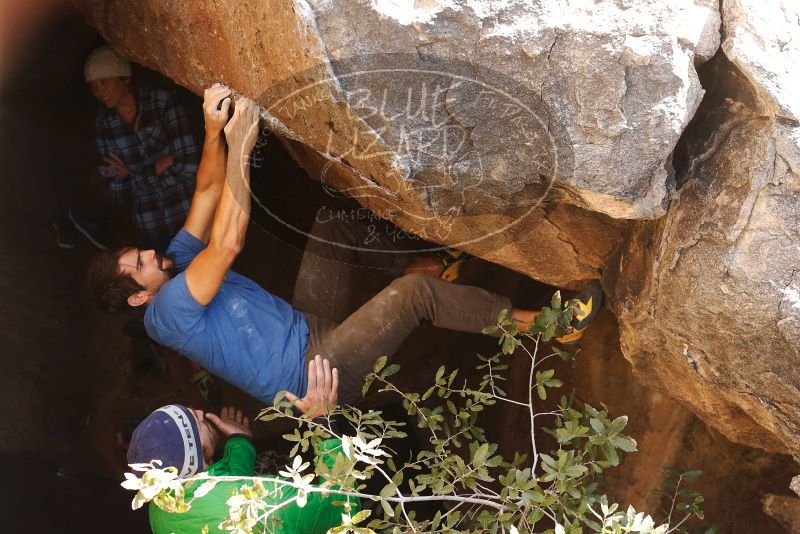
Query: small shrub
[[477, 489]]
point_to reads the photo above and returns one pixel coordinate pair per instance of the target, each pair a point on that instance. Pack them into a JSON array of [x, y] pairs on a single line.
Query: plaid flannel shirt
[[160, 203]]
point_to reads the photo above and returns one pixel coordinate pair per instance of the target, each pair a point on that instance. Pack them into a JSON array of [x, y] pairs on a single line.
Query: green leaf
[[617, 425], [452, 407], [266, 417], [294, 436], [549, 331], [439, 375], [380, 363], [388, 490], [689, 475], [509, 344], [611, 455], [452, 377], [480, 454], [387, 508], [563, 354], [625, 443], [389, 371], [597, 425], [366, 387], [360, 516]]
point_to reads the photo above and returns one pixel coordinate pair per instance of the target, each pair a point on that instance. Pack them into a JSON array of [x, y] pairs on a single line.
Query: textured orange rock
[[701, 294]]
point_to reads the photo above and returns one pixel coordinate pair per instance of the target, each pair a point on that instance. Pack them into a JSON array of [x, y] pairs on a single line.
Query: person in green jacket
[[188, 440]]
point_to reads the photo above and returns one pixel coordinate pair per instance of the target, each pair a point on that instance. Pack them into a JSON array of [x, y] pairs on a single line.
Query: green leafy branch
[[477, 489]]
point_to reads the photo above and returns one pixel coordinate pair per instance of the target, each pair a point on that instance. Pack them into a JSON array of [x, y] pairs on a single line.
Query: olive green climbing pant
[[333, 267]]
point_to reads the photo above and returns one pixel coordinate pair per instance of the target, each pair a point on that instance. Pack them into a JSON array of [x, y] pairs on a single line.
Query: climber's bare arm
[[207, 271], [211, 173]]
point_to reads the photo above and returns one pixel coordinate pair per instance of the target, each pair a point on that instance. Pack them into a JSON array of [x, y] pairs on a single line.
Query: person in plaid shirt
[[145, 140], [151, 158]]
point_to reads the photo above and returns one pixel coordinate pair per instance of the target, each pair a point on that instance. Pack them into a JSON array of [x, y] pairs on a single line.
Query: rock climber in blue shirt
[[227, 323]]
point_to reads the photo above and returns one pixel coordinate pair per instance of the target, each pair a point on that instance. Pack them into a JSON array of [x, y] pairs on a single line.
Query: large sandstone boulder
[[496, 115], [708, 297], [618, 77]]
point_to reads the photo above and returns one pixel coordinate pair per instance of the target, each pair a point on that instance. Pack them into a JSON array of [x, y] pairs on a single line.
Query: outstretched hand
[[216, 103], [231, 421], [323, 389]]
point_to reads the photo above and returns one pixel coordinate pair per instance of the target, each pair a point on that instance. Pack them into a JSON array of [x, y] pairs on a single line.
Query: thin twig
[[682, 521], [316, 489], [547, 413], [674, 498], [399, 494], [545, 358], [530, 404]]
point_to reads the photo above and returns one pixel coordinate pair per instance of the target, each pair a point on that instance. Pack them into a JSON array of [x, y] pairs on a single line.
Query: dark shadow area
[[39, 495], [726, 88], [50, 469]]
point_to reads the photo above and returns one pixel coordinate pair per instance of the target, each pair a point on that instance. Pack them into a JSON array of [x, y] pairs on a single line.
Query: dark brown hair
[[109, 287]]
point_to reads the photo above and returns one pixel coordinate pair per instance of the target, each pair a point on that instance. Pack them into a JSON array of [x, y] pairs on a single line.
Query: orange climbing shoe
[[452, 259], [587, 304]]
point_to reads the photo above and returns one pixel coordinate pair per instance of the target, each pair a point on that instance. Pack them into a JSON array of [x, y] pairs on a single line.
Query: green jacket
[[317, 516]]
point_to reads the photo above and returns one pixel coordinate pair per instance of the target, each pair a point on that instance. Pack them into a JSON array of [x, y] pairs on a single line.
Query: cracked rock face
[[708, 297], [618, 77], [715, 322]]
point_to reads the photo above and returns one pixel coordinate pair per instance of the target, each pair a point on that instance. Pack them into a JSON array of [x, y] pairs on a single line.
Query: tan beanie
[[105, 62]]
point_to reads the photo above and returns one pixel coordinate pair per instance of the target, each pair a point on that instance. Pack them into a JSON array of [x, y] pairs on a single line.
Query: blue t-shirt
[[250, 338]]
